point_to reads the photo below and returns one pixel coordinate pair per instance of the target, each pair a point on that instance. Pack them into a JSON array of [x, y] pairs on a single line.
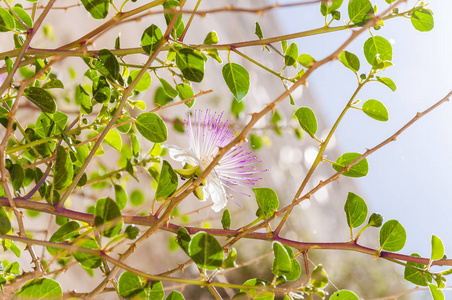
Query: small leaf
[[64, 171], [205, 251], [168, 88], [306, 60], [175, 295], [101, 89], [295, 273], [151, 38], [379, 48], [422, 19], [358, 170], [229, 262], [291, 55], [392, 236], [237, 107], [5, 223], [136, 197], [183, 239], [437, 248], [65, 233], [17, 174], [307, 120], [191, 63], [131, 232], [349, 60], [375, 220], [167, 183], [12, 268], [356, 210], [143, 84], [120, 196], [211, 38], [113, 138], [360, 11], [344, 295], [267, 200], [83, 99], [6, 21], [185, 91], [388, 82], [327, 7], [282, 262], [258, 31], [41, 98], [437, 294], [226, 219], [152, 127], [415, 276], [40, 288], [131, 286], [376, 110], [53, 84], [237, 79], [108, 216], [109, 62]]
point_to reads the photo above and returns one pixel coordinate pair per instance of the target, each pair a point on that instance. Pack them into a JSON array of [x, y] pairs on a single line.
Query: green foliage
[[63, 169], [226, 219], [152, 127], [41, 98], [422, 19], [392, 236], [388, 82], [108, 215], [360, 11], [237, 79], [377, 49], [307, 120], [356, 210], [437, 248], [151, 38], [350, 61], [191, 63], [267, 200], [5, 223], [344, 295], [358, 170], [205, 251], [376, 110], [414, 273], [98, 9], [328, 7], [282, 262], [132, 286], [40, 288], [291, 55], [167, 183]]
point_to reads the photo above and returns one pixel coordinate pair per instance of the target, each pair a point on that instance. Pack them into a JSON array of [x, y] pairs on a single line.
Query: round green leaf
[[167, 183], [349, 60], [40, 288], [375, 220], [152, 127], [168, 88], [295, 273], [376, 110], [307, 120], [358, 170], [291, 55], [205, 251], [237, 79], [356, 210], [63, 234], [185, 91], [392, 236], [17, 174], [120, 196], [437, 248], [183, 239], [437, 294], [24, 17], [6, 20], [388, 82], [143, 84], [377, 47], [422, 19], [344, 295], [328, 7], [305, 59], [5, 223], [175, 295], [113, 138], [109, 62], [267, 200], [136, 197], [226, 219], [63, 169], [41, 98], [191, 63], [151, 38], [97, 8], [87, 260], [415, 276], [109, 216], [360, 11], [282, 262], [211, 38], [131, 232]]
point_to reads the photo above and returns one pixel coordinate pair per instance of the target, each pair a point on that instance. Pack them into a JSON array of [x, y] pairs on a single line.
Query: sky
[[409, 179]]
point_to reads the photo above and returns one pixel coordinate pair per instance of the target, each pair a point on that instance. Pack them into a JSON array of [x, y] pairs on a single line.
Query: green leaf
[[211, 38], [97, 8], [185, 91], [65, 233], [63, 171], [191, 63], [422, 19], [344, 295], [256, 294], [306, 60], [356, 210], [437, 248], [17, 174], [307, 120], [136, 197], [175, 295], [267, 200], [83, 99], [131, 286], [377, 48], [437, 294], [258, 31], [101, 89], [282, 262], [295, 273], [168, 88], [415, 276], [152, 127], [12, 268], [237, 79], [41, 98], [226, 219], [388, 82], [360, 11], [205, 251], [6, 21], [40, 288], [349, 60], [109, 62], [22, 14], [5, 223], [143, 84], [229, 262], [376, 110], [131, 232], [108, 216], [358, 170], [319, 278], [120, 196], [151, 38], [167, 183], [183, 239], [53, 84], [392, 236], [113, 138], [237, 107], [328, 7], [375, 220], [291, 55]]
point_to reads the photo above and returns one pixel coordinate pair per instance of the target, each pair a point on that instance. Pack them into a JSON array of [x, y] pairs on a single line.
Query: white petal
[[182, 155], [216, 192]]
